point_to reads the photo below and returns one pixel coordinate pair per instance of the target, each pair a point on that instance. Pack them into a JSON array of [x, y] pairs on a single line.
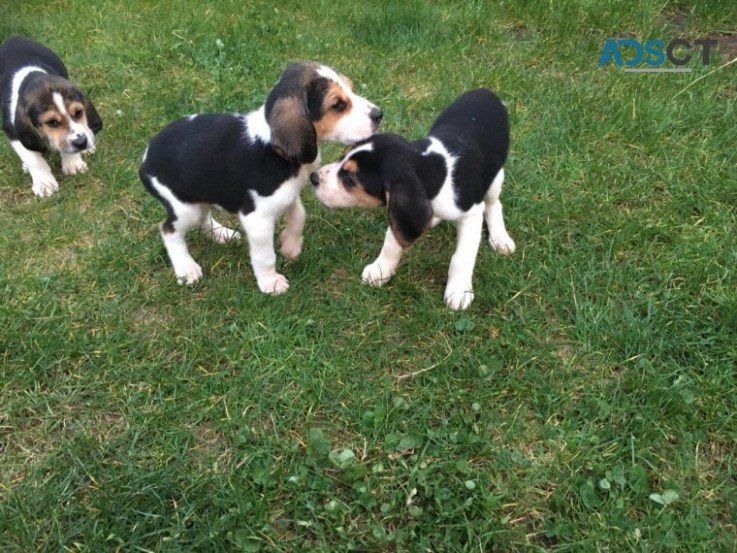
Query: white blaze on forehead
[[329, 73], [59, 103], [329, 173], [368, 147], [75, 128]]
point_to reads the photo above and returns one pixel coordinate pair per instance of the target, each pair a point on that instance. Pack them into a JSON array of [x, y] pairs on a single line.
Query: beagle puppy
[[254, 165], [42, 110], [454, 174]]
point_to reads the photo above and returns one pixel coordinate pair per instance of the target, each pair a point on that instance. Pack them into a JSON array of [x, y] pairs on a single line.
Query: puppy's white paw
[[376, 275], [221, 235], [291, 246], [45, 185], [188, 272], [71, 165], [458, 298], [502, 243], [277, 284]]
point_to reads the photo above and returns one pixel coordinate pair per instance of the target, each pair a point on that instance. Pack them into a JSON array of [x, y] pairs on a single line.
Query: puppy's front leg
[[459, 290], [71, 164], [44, 183], [380, 271], [260, 232], [292, 236]]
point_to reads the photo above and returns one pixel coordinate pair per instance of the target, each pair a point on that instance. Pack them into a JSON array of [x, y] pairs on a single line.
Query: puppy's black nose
[[376, 115], [80, 142], [314, 178]]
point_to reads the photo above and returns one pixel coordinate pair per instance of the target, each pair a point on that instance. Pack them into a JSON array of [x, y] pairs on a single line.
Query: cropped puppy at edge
[[42, 110], [454, 174], [252, 164]]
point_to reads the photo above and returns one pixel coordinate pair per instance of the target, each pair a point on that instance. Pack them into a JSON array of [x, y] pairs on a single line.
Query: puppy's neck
[[258, 128]]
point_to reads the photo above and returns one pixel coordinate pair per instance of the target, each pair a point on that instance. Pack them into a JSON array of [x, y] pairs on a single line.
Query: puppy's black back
[[477, 117], [18, 51], [210, 158], [474, 128]]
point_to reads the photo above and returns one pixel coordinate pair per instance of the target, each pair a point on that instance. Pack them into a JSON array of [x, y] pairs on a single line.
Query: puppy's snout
[[376, 115], [80, 142], [314, 178]]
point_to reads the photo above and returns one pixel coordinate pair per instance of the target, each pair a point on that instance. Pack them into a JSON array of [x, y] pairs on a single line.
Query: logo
[[628, 53]]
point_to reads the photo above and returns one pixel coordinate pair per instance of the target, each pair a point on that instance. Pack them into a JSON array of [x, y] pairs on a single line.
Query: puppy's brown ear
[[94, 121], [292, 133], [408, 207], [26, 129]]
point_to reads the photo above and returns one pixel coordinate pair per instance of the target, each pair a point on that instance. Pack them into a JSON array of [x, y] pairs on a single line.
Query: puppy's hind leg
[[459, 289], [215, 231], [173, 231], [499, 239], [181, 217]]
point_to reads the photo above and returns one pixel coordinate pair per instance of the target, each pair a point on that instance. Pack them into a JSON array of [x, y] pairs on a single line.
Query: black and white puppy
[[42, 110], [454, 174], [253, 164]]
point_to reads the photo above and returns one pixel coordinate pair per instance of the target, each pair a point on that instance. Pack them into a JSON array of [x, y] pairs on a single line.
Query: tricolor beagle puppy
[[253, 164], [42, 109], [454, 174]]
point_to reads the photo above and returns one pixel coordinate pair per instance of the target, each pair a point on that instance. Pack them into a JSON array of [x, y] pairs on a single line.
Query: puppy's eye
[[349, 179], [77, 114], [339, 106], [53, 123]]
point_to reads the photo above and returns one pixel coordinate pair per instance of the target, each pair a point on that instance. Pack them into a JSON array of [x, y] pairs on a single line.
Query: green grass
[[586, 401]]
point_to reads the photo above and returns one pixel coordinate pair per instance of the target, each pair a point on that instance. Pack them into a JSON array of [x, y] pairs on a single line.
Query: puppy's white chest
[[276, 203]]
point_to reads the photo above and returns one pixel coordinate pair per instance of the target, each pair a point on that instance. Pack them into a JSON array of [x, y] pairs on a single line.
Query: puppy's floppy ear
[[287, 112], [26, 129], [292, 133], [408, 207], [94, 121]]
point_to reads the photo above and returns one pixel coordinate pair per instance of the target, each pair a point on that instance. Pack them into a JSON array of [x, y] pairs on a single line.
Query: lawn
[[587, 401]]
